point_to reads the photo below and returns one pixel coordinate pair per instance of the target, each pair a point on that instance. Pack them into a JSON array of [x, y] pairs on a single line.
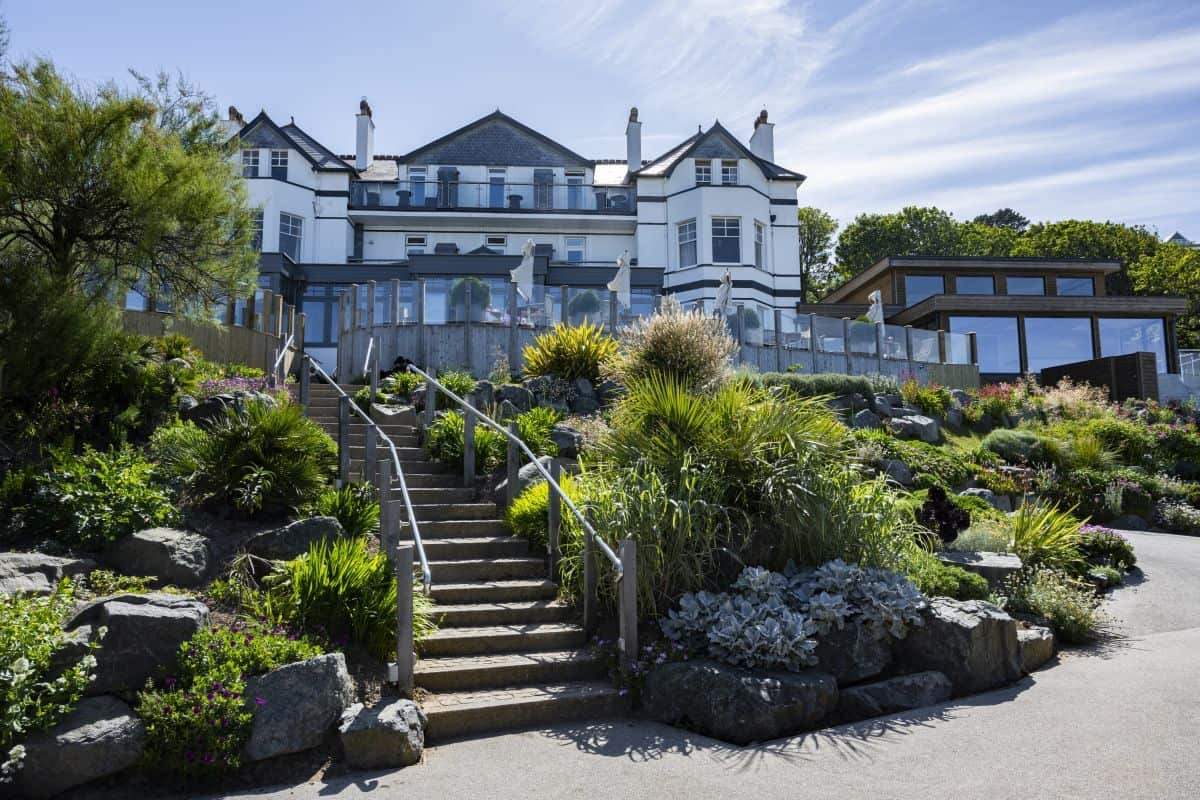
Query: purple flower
[[170, 683], [260, 701], [195, 709]]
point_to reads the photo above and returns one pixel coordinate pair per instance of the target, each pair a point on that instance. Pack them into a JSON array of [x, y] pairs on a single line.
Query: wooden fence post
[[277, 317], [305, 379], [395, 302], [468, 449], [371, 290], [264, 315], [404, 618], [908, 344], [422, 338], [974, 344], [563, 315], [512, 326], [627, 604], [942, 347], [430, 403], [467, 327], [778, 340], [373, 368], [880, 340]]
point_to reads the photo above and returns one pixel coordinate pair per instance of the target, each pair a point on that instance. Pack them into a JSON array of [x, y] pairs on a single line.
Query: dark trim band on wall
[[332, 193], [783, 201], [652, 198], [713, 284]]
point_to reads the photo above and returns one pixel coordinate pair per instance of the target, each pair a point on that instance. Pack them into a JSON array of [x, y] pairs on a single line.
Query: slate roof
[[495, 139], [262, 130], [716, 142]]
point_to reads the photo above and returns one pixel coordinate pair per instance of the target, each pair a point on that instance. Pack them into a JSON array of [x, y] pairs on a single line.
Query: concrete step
[[413, 467], [358, 451], [421, 497], [514, 591], [484, 547], [453, 714], [502, 639], [442, 512], [471, 673], [457, 528], [486, 569], [475, 615], [433, 480]]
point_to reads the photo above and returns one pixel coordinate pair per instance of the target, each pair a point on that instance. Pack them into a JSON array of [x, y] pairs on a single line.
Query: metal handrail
[[283, 348], [491, 423], [426, 573], [366, 370]]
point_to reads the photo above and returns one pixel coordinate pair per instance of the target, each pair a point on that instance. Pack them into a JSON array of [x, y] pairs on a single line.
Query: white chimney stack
[[234, 124], [762, 143], [364, 150], [633, 141]]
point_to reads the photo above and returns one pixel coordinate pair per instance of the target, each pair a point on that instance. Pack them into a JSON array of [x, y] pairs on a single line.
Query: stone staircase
[[507, 652]]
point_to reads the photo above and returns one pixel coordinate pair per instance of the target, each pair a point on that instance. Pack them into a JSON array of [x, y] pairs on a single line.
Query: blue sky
[[1058, 109]]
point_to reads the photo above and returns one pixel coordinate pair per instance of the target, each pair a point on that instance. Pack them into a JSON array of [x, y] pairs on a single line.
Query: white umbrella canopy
[[522, 276], [724, 291], [875, 312], [620, 281]]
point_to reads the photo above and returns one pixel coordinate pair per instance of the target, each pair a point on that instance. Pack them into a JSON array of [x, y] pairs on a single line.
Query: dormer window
[[279, 164], [249, 163], [414, 244], [729, 172], [703, 172]]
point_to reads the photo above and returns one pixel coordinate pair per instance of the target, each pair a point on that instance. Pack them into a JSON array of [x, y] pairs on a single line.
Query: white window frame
[[292, 225], [729, 172], [685, 234], [760, 245], [257, 227], [417, 175], [496, 240], [502, 174], [703, 172], [726, 225], [279, 158], [581, 249], [250, 161], [415, 243]]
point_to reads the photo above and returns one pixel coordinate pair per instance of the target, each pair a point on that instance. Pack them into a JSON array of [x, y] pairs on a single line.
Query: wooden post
[[778, 340], [422, 338], [467, 327], [627, 604], [908, 348], [612, 312], [371, 290], [371, 456], [564, 317], [395, 302], [514, 463], [343, 440], [300, 320], [846, 341], [740, 323], [590, 598], [277, 317], [355, 311], [389, 530], [554, 519], [250, 302], [268, 298], [430, 403], [230, 310], [942, 347], [404, 618], [512, 326], [468, 449], [373, 369], [974, 343], [305, 380], [290, 315], [813, 344]]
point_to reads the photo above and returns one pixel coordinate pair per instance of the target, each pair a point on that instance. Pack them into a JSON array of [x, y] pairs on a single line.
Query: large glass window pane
[[1023, 284], [1121, 336], [996, 338], [726, 240], [1050, 341], [1075, 287], [975, 284], [919, 287]]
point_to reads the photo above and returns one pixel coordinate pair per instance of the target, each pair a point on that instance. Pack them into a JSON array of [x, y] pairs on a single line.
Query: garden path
[[1119, 719]]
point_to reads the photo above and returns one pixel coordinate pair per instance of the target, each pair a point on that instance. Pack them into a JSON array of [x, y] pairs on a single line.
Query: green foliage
[[1045, 536], [355, 506], [457, 381], [93, 499], [933, 400], [260, 460], [1016, 446], [362, 398], [816, 230], [570, 352], [1004, 218], [527, 515], [481, 292], [1069, 604], [401, 385], [1132, 442], [199, 719], [948, 468], [534, 428], [688, 345], [582, 304], [1103, 546], [445, 439], [33, 694], [936, 579], [991, 534], [829, 384], [997, 400], [913, 231], [1094, 240], [1173, 270], [103, 582], [342, 588]]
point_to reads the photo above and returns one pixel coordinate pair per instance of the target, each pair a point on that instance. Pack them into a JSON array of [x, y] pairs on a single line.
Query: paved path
[[1119, 720]]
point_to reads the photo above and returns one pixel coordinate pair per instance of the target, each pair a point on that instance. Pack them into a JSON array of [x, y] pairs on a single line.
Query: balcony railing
[[451, 195]]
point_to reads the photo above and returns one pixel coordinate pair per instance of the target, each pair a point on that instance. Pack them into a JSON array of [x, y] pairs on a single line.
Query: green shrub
[[1133, 442], [1045, 536], [987, 534], [401, 385], [694, 348], [936, 579], [527, 515], [355, 506], [997, 400], [342, 588], [1112, 577], [1069, 604], [1016, 446], [570, 352], [93, 499], [534, 428], [481, 293], [585, 303], [445, 439], [33, 693], [362, 399], [261, 460], [949, 468], [457, 381], [198, 721], [829, 384], [933, 400], [1088, 452], [1102, 546], [103, 582]]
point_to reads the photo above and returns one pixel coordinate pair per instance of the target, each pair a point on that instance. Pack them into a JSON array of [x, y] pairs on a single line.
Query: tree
[[915, 230], [1173, 270], [1004, 218], [979, 239], [816, 229], [1075, 238], [107, 188]]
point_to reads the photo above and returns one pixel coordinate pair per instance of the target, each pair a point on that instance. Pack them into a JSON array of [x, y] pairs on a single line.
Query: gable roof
[[291, 135], [714, 143], [495, 139]]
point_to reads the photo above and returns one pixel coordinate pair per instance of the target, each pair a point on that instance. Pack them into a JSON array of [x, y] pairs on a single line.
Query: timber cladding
[[1134, 375]]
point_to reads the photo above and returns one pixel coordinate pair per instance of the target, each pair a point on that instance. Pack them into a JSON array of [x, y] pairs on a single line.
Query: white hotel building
[[466, 203]]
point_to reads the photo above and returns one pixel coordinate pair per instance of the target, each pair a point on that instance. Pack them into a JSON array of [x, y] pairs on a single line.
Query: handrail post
[[305, 381], [404, 618], [430, 403], [627, 604], [343, 440], [371, 454], [371, 306], [590, 598], [468, 449], [513, 464], [553, 518], [389, 534]]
